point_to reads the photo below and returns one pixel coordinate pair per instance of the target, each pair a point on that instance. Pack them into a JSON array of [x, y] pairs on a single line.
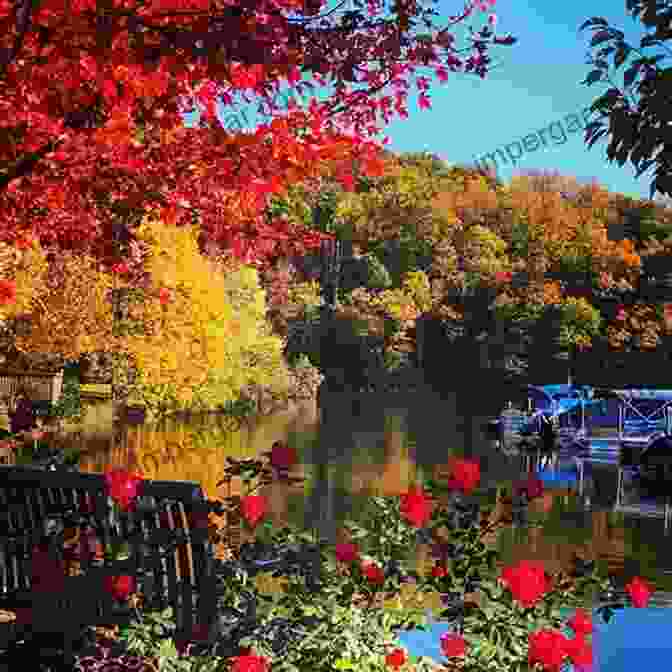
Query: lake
[[378, 444]]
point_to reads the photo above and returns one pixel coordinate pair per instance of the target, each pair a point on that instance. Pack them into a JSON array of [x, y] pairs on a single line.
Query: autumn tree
[[197, 333], [22, 277], [72, 312], [641, 219], [93, 97], [395, 218], [636, 116]]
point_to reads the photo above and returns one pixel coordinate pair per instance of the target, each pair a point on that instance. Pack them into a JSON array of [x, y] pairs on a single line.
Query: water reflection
[[380, 447]]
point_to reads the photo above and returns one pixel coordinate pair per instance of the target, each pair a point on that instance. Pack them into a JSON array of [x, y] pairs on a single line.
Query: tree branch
[[27, 163]]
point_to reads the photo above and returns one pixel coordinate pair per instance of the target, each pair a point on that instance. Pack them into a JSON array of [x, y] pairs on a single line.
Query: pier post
[[583, 416]]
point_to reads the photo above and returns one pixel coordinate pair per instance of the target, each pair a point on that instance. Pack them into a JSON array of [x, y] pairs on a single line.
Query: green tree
[[636, 117], [69, 405]]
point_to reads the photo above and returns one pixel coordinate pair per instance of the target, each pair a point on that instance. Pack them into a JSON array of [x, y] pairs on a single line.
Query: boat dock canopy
[[645, 409], [656, 395], [559, 399]]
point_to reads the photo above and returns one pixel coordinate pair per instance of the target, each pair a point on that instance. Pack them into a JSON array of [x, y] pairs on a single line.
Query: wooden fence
[[39, 385]]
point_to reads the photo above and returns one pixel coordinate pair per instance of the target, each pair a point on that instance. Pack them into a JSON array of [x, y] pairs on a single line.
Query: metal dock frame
[[667, 410], [612, 455], [641, 509], [599, 456]]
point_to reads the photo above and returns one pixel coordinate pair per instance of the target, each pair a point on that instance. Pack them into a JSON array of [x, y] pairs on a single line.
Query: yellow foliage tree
[[26, 268], [417, 285], [399, 200], [67, 300], [205, 333], [484, 252]]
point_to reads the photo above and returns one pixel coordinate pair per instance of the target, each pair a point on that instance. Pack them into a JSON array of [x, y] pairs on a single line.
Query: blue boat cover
[[657, 395], [549, 476], [561, 398]]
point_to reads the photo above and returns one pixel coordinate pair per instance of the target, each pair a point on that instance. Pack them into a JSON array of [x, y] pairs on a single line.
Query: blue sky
[[537, 83], [535, 86]]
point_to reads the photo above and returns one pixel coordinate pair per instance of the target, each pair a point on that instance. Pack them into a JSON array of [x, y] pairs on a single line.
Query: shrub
[[204, 334], [379, 276], [580, 322]]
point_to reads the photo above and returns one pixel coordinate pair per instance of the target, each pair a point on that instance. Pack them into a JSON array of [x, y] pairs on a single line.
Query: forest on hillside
[[515, 274], [543, 259]]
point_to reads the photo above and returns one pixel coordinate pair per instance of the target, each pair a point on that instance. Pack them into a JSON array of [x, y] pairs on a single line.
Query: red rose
[[465, 474], [250, 664], [253, 508], [639, 591], [282, 455], [580, 653], [439, 571], [548, 647], [374, 574], [120, 268], [581, 622], [452, 645], [415, 507], [527, 582], [347, 552], [533, 486], [123, 486], [120, 587], [395, 659]]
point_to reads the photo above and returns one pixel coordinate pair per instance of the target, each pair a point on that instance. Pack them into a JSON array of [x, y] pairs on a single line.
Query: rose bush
[[330, 610], [120, 587], [639, 591], [123, 487], [527, 581]]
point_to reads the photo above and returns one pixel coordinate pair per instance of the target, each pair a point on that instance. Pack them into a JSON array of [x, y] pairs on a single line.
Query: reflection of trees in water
[[370, 451], [376, 452], [622, 546]]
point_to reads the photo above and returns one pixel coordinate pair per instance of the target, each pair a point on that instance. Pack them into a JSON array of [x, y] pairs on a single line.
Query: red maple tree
[[93, 95]]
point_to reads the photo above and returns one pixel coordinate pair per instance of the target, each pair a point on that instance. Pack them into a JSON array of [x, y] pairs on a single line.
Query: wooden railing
[[45, 386]]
